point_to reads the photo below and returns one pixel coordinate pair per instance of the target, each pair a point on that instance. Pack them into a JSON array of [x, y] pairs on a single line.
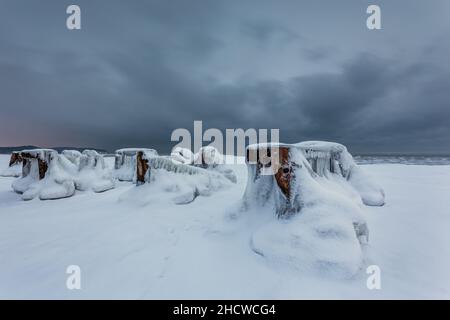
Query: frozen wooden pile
[[73, 156], [328, 158], [36, 162], [273, 169], [49, 175], [182, 155], [35, 180], [93, 173], [181, 161], [319, 192], [148, 162], [189, 180], [207, 158], [279, 174], [125, 162]]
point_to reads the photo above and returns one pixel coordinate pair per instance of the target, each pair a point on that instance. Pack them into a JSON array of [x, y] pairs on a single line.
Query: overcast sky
[[139, 69]]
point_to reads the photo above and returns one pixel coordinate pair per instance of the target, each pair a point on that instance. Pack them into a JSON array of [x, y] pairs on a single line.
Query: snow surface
[[157, 249], [14, 171]]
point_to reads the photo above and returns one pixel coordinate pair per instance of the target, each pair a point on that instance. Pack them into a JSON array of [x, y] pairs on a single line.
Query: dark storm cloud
[[138, 70]]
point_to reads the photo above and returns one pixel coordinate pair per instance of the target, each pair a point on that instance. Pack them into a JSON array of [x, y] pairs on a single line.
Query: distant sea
[[413, 159], [431, 160]]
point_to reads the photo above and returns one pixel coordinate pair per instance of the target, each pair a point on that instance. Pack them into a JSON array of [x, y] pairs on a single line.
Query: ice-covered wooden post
[[272, 177], [148, 161], [125, 164], [93, 173], [39, 157], [327, 157], [330, 158], [73, 156], [208, 157], [16, 158], [141, 167]]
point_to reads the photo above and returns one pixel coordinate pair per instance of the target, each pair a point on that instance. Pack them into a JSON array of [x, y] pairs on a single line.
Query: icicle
[[168, 165]]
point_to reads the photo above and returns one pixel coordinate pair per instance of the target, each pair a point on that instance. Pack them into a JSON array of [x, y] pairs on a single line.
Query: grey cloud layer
[[138, 70]]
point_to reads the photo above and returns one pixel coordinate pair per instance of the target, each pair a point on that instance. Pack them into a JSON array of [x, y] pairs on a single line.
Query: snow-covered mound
[[321, 225], [14, 167], [125, 162], [330, 157]]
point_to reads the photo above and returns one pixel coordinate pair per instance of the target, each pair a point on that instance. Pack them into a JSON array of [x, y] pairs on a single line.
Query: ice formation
[[93, 173], [73, 156], [182, 155], [186, 181], [208, 157], [308, 186], [177, 187], [330, 157], [49, 175], [45, 175], [125, 162], [15, 166]]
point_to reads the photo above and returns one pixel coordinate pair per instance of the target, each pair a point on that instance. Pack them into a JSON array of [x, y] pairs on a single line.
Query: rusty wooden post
[[42, 162], [274, 163], [43, 166], [285, 174], [141, 168], [275, 160], [15, 158]]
